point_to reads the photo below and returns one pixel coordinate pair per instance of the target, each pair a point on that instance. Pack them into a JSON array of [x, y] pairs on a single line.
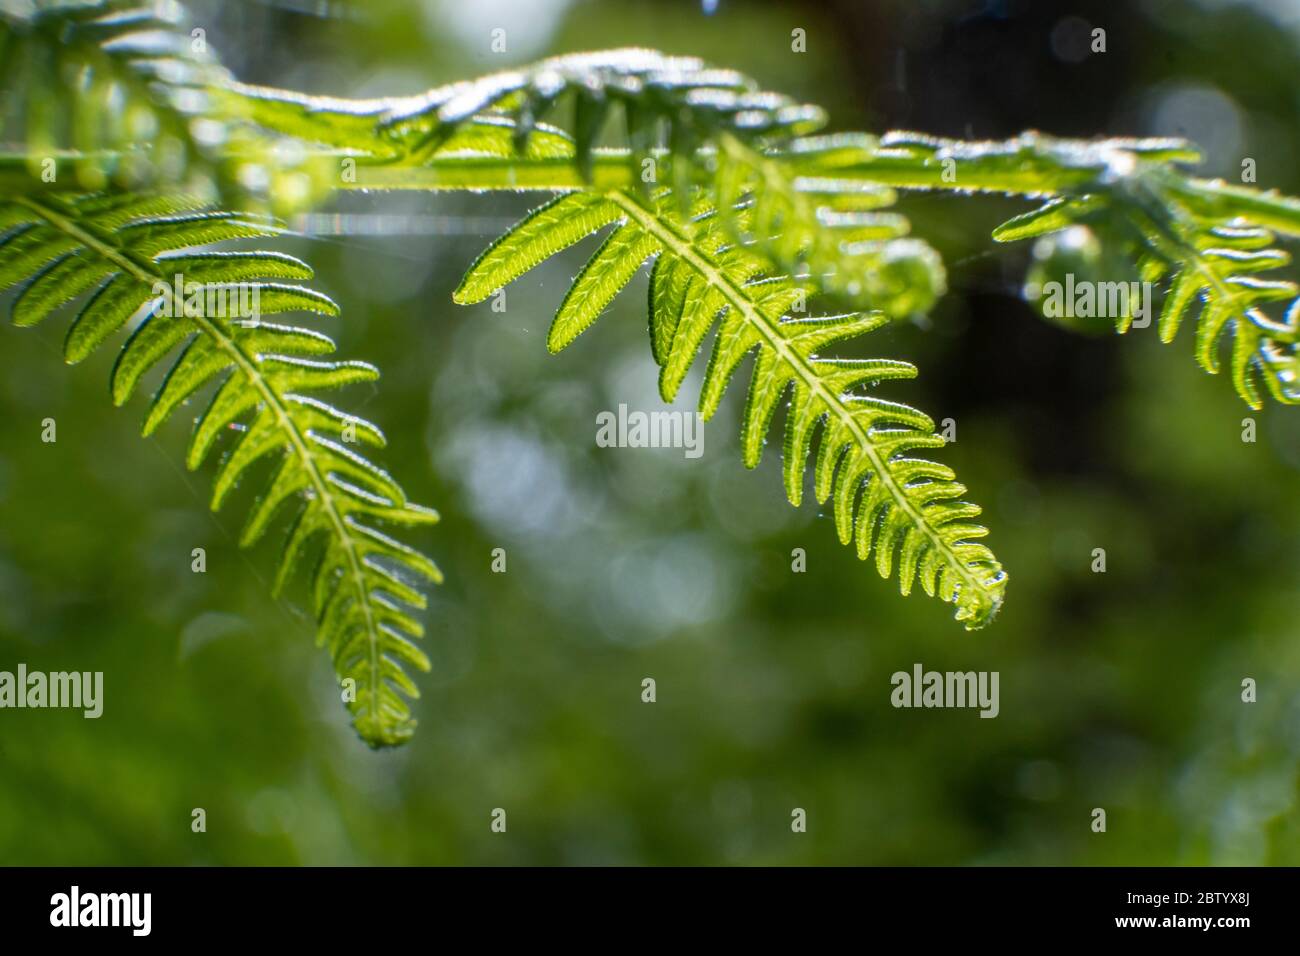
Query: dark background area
[[1118, 690]]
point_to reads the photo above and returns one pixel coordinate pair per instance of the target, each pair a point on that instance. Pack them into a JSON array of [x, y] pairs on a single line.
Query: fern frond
[[122, 254], [95, 78], [1209, 242], [903, 509], [1220, 264], [1215, 269]]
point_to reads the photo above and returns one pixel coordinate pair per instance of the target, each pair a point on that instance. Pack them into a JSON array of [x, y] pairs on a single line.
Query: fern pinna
[[116, 252], [883, 498]]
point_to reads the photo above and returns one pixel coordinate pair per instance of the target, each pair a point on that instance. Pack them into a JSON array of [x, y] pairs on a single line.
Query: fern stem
[[611, 169], [684, 249], [145, 272]]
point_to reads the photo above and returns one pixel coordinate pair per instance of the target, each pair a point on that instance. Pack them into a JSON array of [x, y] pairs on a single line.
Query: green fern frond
[[1209, 242], [1219, 266], [906, 510], [680, 121], [122, 254], [1214, 268], [123, 93]]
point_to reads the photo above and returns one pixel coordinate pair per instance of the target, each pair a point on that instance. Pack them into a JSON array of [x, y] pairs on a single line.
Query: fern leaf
[[366, 586], [1212, 268], [804, 216], [905, 511]]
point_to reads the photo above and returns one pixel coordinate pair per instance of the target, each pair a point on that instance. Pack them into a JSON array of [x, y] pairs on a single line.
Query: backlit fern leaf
[[1213, 268], [1207, 241], [1216, 266], [121, 253], [906, 510]]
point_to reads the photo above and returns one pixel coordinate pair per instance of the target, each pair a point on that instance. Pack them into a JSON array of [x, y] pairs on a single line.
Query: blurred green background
[[1118, 690]]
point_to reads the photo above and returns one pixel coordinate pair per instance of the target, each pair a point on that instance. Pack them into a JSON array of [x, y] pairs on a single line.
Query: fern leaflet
[[116, 251]]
